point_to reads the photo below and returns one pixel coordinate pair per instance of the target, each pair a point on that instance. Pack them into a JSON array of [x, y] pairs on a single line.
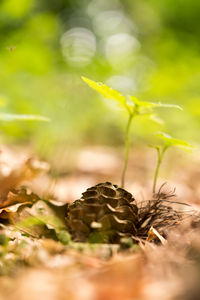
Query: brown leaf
[[30, 169], [19, 196], [14, 200]]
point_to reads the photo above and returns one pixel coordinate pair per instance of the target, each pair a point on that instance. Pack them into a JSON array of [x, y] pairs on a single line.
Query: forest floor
[[34, 265]]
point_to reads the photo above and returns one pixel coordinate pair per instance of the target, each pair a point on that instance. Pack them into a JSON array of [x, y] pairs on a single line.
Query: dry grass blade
[[161, 213]]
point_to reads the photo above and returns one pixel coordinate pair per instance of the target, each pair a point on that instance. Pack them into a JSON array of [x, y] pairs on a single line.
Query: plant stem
[[159, 161], [127, 147]]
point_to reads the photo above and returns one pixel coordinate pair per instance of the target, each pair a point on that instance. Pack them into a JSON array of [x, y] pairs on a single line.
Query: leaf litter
[[39, 258]]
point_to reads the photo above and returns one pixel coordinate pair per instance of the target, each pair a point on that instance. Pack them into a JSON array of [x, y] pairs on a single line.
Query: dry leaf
[[30, 169], [15, 200], [19, 196], [154, 234]]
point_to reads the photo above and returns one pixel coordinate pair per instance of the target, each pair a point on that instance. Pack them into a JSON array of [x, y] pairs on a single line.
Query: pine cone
[[105, 213]]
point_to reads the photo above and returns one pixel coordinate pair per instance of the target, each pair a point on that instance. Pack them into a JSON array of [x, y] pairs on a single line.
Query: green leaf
[[106, 91], [150, 105], [159, 104], [14, 117], [170, 141], [141, 104], [134, 106]]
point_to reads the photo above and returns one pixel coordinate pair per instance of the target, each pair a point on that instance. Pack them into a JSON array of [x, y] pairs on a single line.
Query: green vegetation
[[168, 142], [135, 108], [46, 45]]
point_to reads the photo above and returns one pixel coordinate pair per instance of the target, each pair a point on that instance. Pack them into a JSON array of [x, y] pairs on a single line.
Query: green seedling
[[134, 108], [161, 150]]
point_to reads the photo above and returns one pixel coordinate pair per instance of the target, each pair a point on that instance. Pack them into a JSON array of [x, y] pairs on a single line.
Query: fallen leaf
[[30, 169], [154, 234]]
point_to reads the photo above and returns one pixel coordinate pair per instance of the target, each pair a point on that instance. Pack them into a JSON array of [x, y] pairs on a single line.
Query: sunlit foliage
[[143, 48]]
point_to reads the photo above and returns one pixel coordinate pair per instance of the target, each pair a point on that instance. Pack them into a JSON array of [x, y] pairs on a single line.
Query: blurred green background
[[147, 48]]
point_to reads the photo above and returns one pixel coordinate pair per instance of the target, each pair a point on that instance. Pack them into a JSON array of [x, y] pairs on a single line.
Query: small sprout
[[161, 149], [133, 106], [170, 141]]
